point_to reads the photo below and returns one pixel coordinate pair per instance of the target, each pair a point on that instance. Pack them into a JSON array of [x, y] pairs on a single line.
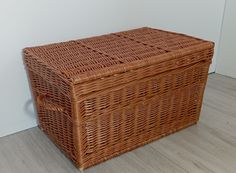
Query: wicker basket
[[100, 97]]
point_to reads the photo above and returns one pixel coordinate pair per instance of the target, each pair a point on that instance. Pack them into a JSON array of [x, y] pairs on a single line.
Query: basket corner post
[[77, 131]]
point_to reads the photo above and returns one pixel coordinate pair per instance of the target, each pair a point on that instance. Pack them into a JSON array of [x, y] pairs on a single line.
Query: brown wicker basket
[[100, 97]]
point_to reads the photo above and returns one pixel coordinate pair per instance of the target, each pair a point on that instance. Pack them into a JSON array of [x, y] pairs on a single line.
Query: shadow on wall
[[28, 108]]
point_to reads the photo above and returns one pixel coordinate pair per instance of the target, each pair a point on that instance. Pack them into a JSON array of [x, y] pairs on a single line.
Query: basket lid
[[97, 57]]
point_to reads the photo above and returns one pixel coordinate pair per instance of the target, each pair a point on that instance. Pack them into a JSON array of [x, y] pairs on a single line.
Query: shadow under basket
[[99, 97]]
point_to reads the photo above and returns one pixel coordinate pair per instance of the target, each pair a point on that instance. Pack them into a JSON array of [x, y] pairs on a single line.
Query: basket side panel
[[47, 73], [55, 123]]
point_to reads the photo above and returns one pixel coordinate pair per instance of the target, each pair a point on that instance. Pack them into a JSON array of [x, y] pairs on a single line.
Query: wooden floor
[[208, 147]]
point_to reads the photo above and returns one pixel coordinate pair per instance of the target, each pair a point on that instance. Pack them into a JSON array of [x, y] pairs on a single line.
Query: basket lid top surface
[[100, 56]]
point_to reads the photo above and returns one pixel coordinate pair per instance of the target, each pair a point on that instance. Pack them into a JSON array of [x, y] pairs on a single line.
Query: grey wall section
[[28, 23], [226, 62]]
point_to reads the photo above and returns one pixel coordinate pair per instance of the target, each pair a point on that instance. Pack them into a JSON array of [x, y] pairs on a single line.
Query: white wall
[[33, 22], [226, 63]]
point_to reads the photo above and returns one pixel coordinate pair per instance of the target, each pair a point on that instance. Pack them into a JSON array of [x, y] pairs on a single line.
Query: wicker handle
[[42, 101]]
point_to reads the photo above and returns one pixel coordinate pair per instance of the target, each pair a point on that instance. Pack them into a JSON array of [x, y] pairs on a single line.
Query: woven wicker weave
[[99, 97]]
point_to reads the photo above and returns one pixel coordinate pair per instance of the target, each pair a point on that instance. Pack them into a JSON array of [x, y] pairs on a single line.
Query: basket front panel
[[94, 104], [120, 119]]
